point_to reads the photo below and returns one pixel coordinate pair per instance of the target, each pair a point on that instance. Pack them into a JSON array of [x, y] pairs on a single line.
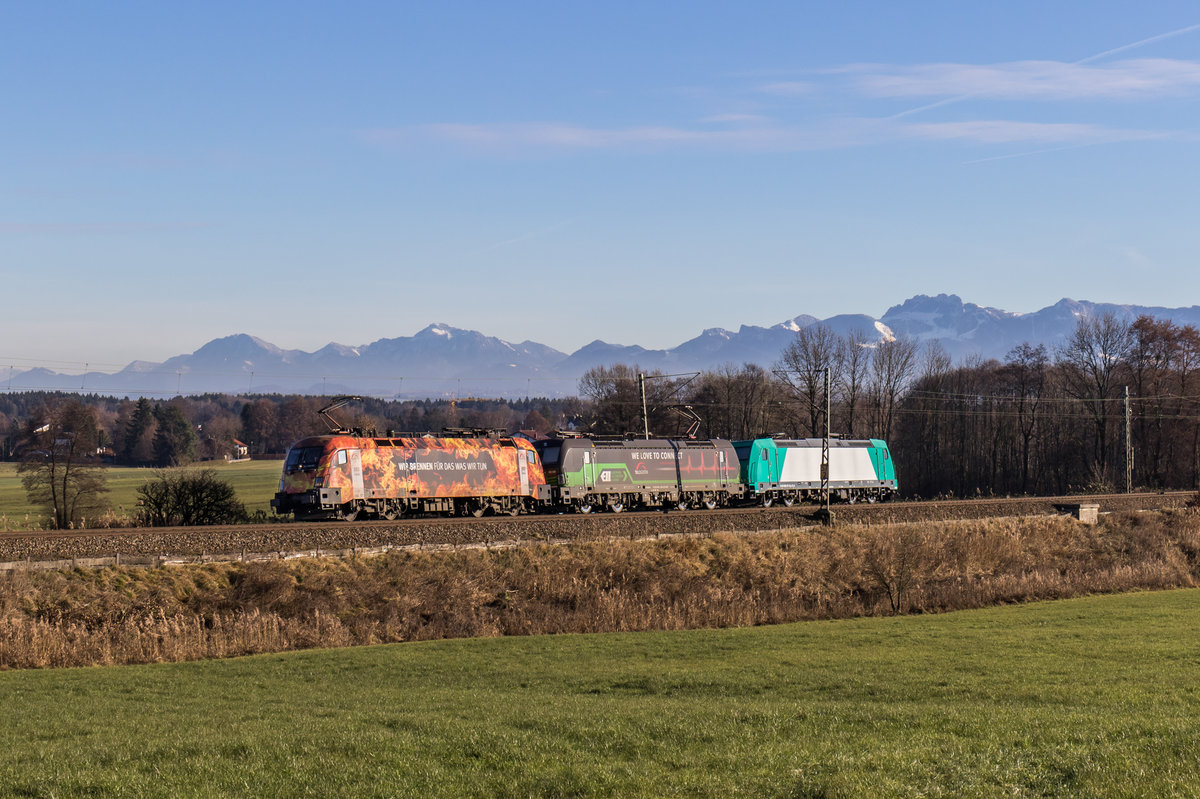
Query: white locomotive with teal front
[[789, 471]]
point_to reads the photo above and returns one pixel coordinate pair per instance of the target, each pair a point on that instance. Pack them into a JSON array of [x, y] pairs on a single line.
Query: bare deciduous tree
[[736, 403], [802, 366], [893, 365], [1090, 361], [617, 401], [854, 359], [60, 469], [1025, 374]]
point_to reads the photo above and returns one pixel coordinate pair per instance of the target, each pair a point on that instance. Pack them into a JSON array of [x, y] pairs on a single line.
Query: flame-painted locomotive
[[346, 474]]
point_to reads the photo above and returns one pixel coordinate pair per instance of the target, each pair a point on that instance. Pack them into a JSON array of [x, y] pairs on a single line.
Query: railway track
[[135, 543]]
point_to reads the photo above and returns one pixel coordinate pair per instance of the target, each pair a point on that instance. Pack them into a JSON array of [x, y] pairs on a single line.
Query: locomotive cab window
[[341, 457], [550, 453], [302, 459]]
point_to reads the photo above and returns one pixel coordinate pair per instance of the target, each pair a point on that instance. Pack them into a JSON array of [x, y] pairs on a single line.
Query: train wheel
[[616, 507], [390, 514], [788, 501], [871, 498], [710, 504], [348, 513], [766, 500], [683, 504], [584, 507]]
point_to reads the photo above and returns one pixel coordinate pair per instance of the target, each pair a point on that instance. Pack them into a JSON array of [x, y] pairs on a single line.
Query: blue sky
[[636, 172]]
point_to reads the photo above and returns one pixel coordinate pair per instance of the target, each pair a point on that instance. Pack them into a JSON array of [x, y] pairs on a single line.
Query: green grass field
[[1089, 697], [255, 482]]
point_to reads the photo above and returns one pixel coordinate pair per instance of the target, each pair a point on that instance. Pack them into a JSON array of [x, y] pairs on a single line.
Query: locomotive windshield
[[549, 452], [302, 459]]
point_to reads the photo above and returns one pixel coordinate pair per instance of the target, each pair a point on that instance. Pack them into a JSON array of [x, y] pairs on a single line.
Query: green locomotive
[[585, 474]]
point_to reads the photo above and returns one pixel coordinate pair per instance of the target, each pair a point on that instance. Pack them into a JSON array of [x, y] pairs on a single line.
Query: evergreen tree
[[136, 447], [260, 423], [175, 438]]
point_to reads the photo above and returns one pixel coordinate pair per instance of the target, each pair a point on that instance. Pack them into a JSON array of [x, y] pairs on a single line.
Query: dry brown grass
[[121, 615]]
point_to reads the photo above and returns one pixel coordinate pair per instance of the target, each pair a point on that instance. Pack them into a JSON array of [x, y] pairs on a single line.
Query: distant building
[[241, 452]]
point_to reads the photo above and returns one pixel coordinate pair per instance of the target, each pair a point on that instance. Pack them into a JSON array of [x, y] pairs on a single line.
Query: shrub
[[188, 497]]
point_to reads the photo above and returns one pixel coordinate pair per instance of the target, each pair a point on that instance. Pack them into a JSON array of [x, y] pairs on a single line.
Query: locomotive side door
[[523, 457], [356, 473], [589, 470]]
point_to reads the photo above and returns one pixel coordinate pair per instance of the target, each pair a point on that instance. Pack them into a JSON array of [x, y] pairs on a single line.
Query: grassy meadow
[[1095, 696], [255, 482]]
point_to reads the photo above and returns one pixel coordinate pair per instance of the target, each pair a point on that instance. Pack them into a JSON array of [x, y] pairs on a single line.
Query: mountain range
[[444, 361]]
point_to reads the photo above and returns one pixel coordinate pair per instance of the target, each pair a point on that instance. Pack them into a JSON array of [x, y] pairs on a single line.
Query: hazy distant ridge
[[447, 361]]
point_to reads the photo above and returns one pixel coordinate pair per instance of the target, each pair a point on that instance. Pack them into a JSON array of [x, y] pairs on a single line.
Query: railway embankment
[[84, 616], [152, 546]]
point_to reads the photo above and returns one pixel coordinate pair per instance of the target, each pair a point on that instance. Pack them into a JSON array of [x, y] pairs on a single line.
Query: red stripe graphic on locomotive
[[695, 466]]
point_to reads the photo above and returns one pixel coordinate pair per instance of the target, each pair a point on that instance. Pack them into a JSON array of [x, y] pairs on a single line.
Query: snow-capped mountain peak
[[441, 360]]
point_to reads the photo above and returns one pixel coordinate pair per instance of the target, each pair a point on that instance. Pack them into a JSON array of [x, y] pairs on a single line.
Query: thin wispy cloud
[[1027, 153], [736, 118], [1089, 59], [1008, 132], [565, 136], [98, 228], [789, 88], [824, 135], [1140, 43], [1084, 80], [1137, 79], [1138, 259]]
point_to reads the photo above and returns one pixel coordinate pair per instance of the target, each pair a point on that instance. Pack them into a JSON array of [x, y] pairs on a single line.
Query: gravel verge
[[435, 532]]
